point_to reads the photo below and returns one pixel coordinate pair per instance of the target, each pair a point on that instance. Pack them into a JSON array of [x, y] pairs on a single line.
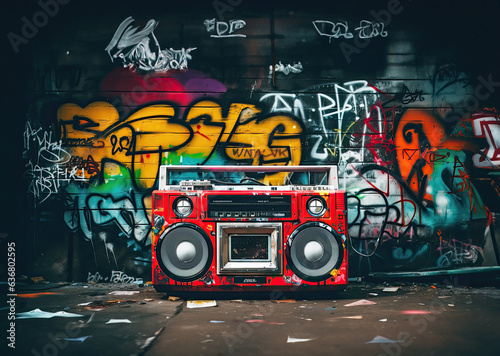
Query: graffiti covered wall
[[411, 124]]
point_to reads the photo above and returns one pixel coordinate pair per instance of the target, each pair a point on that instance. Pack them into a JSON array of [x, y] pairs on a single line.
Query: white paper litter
[[292, 340], [78, 339], [360, 302], [124, 292], [40, 314], [382, 340], [390, 289], [118, 321], [201, 303]]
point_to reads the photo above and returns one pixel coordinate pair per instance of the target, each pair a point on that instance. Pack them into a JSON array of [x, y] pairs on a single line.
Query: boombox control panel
[[249, 206], [218, 228]]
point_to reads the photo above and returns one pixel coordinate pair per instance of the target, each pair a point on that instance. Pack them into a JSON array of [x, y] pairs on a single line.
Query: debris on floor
[[390, 289], [360, 302], [34, 295], [383, 340], [118, 321], [201, 304], [77, 339], [292, 340], [40, 314], [38, 280], [263, 322], [149, 341], [124, 292], [415, 312]]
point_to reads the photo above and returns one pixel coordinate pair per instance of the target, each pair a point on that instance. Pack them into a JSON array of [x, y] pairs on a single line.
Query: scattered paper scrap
[[147, 344], [263, 322], [115, 301], [118, 321], [34, 295], [360, 302], [84, 324], [415, 312], [382, 340], [390, 289], [124, 292], [95, 308], [352, 317], [201, 303], [292, 340], [40, 314], [78, 339]]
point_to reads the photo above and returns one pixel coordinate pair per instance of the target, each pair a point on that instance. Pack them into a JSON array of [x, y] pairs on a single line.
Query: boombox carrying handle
[[165, 170]]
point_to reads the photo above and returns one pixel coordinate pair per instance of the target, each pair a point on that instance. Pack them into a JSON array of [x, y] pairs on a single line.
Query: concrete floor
[[417, 319]]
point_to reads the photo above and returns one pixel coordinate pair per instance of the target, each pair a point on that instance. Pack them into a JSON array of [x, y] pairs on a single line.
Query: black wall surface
[[401, 95]]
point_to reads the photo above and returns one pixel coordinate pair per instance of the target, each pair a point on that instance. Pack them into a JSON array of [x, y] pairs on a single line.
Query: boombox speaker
[[185, 252], [314, 250]]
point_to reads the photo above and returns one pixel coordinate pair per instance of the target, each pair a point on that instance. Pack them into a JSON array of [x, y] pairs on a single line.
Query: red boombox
[[213, 235]]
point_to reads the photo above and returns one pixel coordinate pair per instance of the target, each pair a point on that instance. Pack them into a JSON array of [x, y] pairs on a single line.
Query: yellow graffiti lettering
[[139, 141]]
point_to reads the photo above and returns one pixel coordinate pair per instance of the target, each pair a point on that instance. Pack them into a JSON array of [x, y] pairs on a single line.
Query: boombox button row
[[237, 214]]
